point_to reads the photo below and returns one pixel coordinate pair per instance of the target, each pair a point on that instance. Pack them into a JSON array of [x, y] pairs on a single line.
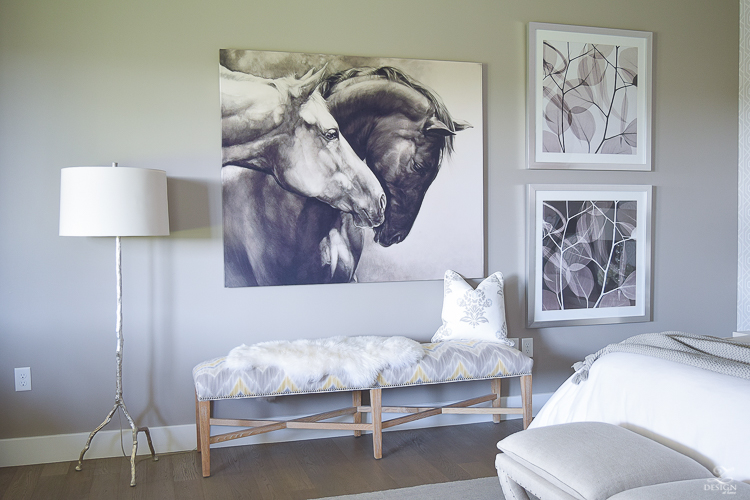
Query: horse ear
[[458, 126], [436, 127], [306, 85]]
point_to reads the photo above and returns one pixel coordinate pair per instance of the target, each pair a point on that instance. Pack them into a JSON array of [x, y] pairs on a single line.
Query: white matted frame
[[589, 98], [589, 259]]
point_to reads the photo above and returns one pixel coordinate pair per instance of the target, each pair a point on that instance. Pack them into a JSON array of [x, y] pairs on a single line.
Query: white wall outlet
[[23, 379], [527, 347], [515, 345]]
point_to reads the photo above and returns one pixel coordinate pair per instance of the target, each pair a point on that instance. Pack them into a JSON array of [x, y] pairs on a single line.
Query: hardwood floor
[[294, 470]]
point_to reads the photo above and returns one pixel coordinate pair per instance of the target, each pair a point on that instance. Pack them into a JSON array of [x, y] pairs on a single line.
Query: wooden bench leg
[[357, 402], [496, 401], [526, 399], [376, 403], [204, 433], [197, 424]]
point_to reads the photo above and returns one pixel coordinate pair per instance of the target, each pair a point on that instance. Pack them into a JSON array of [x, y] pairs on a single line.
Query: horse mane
[[328, 85]]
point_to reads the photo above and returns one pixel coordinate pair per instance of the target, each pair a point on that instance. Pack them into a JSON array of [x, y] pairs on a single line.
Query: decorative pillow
[[470, 314]]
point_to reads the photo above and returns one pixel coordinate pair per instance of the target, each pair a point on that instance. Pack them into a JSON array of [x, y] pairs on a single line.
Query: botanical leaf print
[[498, 284], [589, 98], [451, 277], [474, 303], [444, 330], [502, 332], [588, 254]]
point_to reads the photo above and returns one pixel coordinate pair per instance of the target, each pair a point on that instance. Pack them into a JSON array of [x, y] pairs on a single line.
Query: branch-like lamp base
[[120, 404]]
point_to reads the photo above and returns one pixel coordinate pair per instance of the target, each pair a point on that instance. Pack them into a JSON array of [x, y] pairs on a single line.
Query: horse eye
[[331, 134], [419, 167]]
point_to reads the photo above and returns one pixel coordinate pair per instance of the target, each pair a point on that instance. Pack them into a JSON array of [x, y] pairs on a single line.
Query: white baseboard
[[106, 443], [174, 438]]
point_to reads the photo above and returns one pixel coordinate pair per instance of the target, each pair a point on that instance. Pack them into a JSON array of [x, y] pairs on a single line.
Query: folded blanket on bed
[[356, 361], [702, 351]]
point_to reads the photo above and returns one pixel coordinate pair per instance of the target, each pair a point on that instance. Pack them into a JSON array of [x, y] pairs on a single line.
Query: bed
[[700, 413]]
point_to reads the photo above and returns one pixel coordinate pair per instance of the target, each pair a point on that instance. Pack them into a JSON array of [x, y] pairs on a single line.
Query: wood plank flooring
[[294, 470]]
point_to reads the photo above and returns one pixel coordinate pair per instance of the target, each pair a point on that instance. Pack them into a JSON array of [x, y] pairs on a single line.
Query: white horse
[[282, 127], [292, 156]]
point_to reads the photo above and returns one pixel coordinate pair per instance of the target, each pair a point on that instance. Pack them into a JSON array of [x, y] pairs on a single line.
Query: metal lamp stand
[[119, 403]]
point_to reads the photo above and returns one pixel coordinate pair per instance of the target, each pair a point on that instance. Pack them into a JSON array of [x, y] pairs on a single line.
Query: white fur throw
[[355, 361]]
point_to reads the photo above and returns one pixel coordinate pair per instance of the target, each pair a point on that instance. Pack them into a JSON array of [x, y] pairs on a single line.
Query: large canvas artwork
[[341, 169], [589, 98], [590, 259]]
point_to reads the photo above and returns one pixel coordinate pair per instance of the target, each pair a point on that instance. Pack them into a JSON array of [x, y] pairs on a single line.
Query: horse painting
[[277, 230]]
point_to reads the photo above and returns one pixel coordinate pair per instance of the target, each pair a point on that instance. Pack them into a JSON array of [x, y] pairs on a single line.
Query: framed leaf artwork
[[589, 98], [589, 254]]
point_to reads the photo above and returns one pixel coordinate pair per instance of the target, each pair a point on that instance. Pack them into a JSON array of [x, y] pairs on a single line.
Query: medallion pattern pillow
[[470, 314]]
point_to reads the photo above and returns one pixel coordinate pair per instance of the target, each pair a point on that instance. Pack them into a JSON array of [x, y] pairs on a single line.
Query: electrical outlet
[[23, 379], [515, 345], [527, 347]]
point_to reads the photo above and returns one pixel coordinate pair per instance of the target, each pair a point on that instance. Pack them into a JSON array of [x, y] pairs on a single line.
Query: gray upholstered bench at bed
[[450, 361], [598, 461]]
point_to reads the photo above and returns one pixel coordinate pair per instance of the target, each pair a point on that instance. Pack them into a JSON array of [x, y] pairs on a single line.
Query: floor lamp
[[114, 201]]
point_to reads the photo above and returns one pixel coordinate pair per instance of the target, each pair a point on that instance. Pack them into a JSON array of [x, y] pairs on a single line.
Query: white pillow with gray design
[[470, 314]]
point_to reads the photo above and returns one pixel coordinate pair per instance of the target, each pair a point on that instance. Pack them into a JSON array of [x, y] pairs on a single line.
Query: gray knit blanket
[[702, 351]]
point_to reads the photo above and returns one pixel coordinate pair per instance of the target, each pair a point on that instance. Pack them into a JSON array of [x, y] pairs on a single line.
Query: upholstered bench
[[449, 361], [599, 461]]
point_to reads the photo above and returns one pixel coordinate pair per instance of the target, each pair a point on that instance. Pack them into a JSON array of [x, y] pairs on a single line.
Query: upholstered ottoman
[[598, 461]]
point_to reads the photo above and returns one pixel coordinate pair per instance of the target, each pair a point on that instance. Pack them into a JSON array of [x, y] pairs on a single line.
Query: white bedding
[[700, 413]]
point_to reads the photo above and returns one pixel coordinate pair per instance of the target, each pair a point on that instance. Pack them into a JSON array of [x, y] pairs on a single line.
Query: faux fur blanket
[[703, 351], [355, 361]]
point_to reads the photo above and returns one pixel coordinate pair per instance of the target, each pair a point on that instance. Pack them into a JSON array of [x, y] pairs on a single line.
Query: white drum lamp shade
[[113, 201]]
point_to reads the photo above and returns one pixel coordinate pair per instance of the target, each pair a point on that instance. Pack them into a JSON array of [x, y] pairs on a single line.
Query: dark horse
[[402, 131]]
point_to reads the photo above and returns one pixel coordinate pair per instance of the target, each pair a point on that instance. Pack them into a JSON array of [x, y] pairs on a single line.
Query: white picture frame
[[589, 98], [589, 259]]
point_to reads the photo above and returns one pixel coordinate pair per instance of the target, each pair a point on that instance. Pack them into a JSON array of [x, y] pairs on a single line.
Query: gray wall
[[89, 82]]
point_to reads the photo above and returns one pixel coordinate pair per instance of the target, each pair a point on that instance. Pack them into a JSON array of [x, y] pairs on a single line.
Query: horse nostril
[[383, 202]]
